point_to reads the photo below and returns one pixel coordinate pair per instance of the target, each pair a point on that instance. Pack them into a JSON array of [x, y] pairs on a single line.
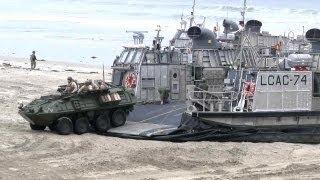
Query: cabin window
[[175, 57], [138, 56], [151, 58], [316, 85], [164, 58], [123, 56], [130, 56], [185, 57]]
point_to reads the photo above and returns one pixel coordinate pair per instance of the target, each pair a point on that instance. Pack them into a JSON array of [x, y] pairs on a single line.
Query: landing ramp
[[152, 119]]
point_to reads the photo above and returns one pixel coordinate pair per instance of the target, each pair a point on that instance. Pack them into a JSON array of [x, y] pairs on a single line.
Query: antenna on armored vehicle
[[138, 36]]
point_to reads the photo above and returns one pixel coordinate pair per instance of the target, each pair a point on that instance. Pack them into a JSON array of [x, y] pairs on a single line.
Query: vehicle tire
[[102, 123], [37, 127], [52, 127], [81, 125], [64, 126], [118, 118]]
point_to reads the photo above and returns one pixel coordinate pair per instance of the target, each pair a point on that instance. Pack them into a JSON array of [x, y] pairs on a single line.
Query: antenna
[[194, 4], [243, 13], [103, 76], [158, 40], [183, 23], [244, 10], [228, 5], [192, 13]]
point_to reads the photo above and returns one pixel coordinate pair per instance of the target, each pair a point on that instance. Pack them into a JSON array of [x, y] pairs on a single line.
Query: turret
[[203, 38], [253, 26], [313, 35]]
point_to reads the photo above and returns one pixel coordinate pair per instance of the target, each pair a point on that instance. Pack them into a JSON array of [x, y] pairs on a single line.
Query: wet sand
[[26, 154]]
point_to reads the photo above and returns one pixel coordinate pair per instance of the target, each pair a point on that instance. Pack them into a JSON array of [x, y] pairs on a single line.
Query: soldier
[[86, 87], [93, 85], [72, 86], [33, 59], [102, 85]]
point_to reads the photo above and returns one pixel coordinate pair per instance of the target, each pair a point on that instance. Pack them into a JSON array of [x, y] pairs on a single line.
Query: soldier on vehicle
[[72, 86], [33, 60], [93, 85], [102, 85], [86, 87]]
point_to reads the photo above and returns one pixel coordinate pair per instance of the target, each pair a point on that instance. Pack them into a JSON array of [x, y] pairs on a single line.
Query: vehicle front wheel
[[102, 123], [118, 118], [37, 127], [64, 126], [81, 125]]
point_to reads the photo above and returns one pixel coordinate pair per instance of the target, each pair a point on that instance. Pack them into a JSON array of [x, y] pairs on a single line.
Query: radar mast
[[138, 36], [192, 14]]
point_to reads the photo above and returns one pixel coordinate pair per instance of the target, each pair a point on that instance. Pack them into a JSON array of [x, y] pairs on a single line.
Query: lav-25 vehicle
[[78, 113]]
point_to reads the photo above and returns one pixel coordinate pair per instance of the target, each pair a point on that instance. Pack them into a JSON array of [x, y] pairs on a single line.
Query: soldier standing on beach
[[33, 59]]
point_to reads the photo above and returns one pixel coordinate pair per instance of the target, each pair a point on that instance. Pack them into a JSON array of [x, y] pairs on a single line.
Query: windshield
[[164, 58], [151, 58], [130, 56], [123, 56], [138, 56]]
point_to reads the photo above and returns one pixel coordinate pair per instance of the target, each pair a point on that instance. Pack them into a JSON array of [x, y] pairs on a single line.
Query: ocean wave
[[300, 11], [82, 22]]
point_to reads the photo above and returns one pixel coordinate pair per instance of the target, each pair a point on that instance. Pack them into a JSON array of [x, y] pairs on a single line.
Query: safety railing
[[212, 101]]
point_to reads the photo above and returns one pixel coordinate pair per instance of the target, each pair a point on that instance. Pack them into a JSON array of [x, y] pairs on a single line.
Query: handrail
[[206, 99]]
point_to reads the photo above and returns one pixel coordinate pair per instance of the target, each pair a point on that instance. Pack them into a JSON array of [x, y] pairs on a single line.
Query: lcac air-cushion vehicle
[[64, 114]]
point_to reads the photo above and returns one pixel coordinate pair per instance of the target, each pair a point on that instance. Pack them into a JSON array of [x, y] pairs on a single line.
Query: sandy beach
[[26, 154]]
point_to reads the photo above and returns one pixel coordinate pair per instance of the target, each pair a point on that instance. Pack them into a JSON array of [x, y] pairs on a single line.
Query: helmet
[[69, 78]]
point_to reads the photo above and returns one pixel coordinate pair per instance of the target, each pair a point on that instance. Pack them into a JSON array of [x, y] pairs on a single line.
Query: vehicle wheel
[[118, 118], [64, 126], [37, 127], [52, 127], [102, 123], [81, 125]]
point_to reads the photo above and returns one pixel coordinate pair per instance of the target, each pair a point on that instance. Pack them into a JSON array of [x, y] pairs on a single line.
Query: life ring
[[130, 80]]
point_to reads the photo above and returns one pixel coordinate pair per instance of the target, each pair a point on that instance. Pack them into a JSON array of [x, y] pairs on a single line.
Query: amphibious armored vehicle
[[99, 110]]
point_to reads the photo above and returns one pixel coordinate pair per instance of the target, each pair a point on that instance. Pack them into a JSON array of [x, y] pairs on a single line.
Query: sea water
[[76, 30]]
